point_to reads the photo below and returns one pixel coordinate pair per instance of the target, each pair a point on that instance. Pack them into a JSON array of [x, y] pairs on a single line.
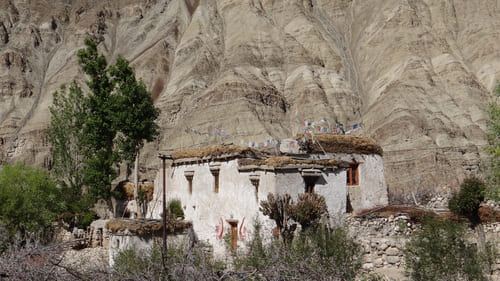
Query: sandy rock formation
[[417, 74]]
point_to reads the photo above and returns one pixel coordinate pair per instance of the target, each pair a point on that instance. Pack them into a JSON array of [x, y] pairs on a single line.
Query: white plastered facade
[[237, 199]]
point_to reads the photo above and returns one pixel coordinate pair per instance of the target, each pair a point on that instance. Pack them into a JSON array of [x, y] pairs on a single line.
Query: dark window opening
[[189, 177], [353, 174], [190, 184], [254, 179], [310, 182]]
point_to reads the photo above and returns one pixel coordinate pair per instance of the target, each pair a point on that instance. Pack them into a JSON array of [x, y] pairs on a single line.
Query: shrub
[[174, 209], [308, 211], [29, 199], [320, 254], [440, 252], [466, 202], [278, 209]]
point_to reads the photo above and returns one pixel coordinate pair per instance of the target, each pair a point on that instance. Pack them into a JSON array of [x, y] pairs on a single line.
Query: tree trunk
[[136, 183]]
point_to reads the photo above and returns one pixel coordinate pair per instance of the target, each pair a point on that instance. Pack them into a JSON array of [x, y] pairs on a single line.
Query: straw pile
[[141, 226], [126, 188], [214, 151], [282, 161], [341, 144]]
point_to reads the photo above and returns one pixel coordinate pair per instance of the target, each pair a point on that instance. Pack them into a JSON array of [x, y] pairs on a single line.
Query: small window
[[353, 174], [254, 179], [310, 176], [310, 183], [189, 177], [215, 173]]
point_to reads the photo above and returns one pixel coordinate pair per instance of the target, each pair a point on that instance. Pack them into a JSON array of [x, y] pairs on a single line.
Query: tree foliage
[[493, 175], [110, 123], [467, 201], [136, 116], [440, 252], [29, 199]]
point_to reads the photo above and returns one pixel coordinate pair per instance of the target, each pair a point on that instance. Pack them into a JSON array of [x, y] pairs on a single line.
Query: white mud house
[[220, 187]]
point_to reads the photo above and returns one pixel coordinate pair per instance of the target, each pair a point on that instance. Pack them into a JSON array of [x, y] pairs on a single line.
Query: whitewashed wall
[[372, 189], [123, 241], [236, 199], [118, 243], [208, 210]]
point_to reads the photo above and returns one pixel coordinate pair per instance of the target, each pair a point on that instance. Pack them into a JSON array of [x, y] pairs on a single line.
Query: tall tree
[[137, 114], [65, 133], [100, 126], [93, 133], [493, 191]]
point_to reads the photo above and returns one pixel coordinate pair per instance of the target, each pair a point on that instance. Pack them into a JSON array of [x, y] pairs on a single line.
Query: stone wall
[[383, 241]]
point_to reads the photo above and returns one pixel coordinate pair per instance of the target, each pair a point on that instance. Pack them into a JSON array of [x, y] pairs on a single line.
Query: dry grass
[[139, 226], [414, 213], [214, 151], [341, 144], [282, 161], [126, 188]]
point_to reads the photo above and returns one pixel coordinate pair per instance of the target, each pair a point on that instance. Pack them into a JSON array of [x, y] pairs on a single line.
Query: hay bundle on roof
[[214, 151], [283, 161], [126, 189], [141, 226], [340, 144]]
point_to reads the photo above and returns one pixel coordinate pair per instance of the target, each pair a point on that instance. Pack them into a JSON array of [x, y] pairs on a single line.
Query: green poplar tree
[[91, 134], [100, 127], [65, 133], [136, 116]]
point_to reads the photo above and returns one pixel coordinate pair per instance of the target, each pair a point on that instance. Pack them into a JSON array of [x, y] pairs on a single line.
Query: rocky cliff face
[[417, 74]]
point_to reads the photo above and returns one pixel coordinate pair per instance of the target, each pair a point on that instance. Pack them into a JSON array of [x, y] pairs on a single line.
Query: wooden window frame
[[215, 173], [255, 180], [189, 177], [353, 173]]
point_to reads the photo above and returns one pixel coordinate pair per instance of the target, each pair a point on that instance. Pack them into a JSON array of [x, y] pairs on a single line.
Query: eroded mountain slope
[[417, 74]]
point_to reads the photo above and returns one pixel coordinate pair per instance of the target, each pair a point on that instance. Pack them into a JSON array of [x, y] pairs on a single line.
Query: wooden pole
[[164, 228]]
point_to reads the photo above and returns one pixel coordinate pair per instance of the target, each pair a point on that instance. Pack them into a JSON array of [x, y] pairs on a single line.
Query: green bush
[[174, 209], [29, 200], [440, 252], [316, 254], [467, 201]]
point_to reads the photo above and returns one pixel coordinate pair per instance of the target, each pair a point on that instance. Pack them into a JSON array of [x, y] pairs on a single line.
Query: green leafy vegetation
[[174, 209], [440, 252], [93, 133], [493, 150], [467, 201], [29, 200]]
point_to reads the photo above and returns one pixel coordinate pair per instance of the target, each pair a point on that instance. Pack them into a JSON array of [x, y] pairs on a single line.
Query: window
[[215, 173], [214, 169], [310, 183], [310, 176], [254, 179], [189, 177], [353, 174]]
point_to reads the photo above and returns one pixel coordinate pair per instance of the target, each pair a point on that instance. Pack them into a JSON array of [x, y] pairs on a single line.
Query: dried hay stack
[[282, 161], [140, 226], [126, 188], [213, 151], [341, 144]]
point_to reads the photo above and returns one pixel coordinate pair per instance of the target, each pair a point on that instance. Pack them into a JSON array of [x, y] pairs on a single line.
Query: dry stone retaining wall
[[383, 240]]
